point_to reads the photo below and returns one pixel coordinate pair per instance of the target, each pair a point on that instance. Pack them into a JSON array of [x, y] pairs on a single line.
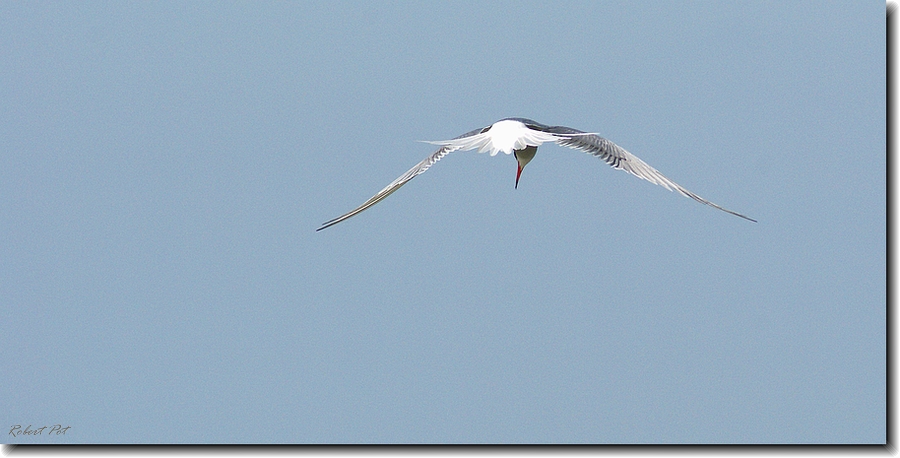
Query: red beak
[[518, 173]]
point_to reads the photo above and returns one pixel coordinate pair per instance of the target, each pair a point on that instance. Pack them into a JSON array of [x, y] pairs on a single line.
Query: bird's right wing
[[402, 180], [618, 158]]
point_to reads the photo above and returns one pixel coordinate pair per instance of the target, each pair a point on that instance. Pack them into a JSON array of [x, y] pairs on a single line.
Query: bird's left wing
[[619, 158], [402, 180]]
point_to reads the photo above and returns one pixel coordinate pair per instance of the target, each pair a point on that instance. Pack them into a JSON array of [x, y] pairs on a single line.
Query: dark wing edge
[[618, 158], [402, 180]]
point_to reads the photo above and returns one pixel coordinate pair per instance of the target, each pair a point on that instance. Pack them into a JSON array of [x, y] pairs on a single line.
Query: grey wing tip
[[328, 224], [731, 212], [742, 216]]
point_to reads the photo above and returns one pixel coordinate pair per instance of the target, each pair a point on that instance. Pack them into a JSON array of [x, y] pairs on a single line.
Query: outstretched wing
[[402, 180], [618, 158]]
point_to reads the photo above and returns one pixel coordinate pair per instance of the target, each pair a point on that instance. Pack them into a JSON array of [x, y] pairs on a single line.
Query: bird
[[521, 137]]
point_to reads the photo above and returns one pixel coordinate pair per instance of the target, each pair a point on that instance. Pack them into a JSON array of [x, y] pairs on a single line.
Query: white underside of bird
[[521, 137], [504, 136]]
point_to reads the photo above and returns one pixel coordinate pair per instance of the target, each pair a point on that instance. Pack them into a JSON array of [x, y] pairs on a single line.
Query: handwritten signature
[[16, 430]]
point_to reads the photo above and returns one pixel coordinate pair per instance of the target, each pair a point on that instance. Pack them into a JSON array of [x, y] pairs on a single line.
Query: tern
[[521, 137]]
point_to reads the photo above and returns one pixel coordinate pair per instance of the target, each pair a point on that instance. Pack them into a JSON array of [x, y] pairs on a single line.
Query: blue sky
[[164, 166]]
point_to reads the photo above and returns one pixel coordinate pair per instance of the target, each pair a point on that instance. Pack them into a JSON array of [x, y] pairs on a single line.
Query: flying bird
[[521, 138]]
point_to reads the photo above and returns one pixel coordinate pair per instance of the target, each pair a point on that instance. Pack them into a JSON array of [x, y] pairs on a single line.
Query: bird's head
[[523, 157]]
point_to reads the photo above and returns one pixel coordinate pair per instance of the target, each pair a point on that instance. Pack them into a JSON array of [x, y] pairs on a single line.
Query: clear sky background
[[164, 166]]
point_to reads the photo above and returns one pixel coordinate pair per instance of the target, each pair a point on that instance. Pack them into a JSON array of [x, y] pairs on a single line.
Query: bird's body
[[521, 137], [505, 136]]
